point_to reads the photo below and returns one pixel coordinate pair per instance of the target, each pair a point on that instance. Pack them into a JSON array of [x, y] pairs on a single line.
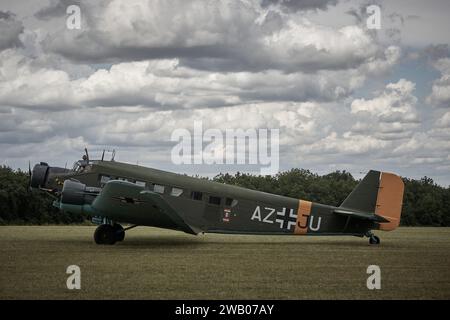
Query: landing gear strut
[[110, 233], [373, 239], [119, 232]]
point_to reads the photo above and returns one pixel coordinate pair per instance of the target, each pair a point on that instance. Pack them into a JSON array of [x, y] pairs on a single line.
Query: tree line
[[424, 204]]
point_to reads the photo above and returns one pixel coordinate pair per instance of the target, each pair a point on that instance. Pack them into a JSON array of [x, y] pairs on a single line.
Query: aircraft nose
[[39, 175]]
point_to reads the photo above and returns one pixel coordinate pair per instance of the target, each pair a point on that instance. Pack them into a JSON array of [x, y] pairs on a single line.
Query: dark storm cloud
[[249, 56], [359, 12], [309, 60], [57, 8], [86, 50], [437, 51], [237, 42], [100, 44], [4, 15], [300, 5], [10, 30]]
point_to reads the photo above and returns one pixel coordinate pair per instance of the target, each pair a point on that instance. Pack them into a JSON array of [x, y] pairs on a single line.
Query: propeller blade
[[29, 175]]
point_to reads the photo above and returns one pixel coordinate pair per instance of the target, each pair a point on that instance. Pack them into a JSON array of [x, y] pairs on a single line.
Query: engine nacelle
[[76, 197]]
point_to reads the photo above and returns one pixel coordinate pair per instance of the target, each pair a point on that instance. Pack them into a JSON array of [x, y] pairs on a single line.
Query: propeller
[[29, 175]]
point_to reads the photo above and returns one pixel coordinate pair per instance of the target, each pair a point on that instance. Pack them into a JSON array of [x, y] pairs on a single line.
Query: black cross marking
[[285, 219], [129, 200]]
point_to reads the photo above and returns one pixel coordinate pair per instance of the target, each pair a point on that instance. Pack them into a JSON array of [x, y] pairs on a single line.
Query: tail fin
[[380, 193]]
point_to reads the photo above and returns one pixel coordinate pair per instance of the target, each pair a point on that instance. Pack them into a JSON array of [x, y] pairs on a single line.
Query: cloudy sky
[[344, 97]]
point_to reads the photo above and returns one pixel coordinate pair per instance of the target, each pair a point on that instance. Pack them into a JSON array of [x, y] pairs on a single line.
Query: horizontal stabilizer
[[361, 215]]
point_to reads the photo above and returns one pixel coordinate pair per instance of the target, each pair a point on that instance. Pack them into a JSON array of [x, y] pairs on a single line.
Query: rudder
[[390, 200], [380, 193]]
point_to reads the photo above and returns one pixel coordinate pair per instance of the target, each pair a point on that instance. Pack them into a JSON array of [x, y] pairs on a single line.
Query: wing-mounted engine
[[76, 197]]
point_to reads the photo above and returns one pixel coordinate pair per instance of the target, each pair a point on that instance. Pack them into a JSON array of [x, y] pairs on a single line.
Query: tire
[[104, 234], [119, 234], [374, 240]]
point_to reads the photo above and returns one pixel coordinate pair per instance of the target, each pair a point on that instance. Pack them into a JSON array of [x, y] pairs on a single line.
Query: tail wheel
[[119, 233], [374, 240], [104, 234]]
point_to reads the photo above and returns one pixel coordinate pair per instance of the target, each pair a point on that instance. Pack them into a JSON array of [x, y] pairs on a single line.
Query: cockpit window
[[76, 166], [176, 192], [104, 179], [80, 166]]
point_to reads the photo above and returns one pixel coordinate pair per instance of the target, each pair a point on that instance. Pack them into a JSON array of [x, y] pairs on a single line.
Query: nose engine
[[39, 175], [45, 177]]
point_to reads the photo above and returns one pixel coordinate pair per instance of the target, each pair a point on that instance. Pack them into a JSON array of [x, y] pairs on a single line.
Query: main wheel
[[118, 232], [374, 240], [104, 234]]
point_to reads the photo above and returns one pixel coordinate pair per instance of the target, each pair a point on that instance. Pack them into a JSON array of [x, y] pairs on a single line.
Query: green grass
[[160, 264]]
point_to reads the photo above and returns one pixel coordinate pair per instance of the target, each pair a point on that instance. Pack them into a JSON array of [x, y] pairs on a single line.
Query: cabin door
[[213, 214]]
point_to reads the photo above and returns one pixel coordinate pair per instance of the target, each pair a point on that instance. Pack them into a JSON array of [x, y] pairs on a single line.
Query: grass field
[[160, 264]]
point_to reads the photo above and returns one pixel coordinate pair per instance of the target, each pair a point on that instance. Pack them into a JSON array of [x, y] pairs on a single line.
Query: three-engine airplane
[[113, 192]]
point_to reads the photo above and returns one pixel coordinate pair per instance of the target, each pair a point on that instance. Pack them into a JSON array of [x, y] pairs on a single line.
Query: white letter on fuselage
[[257, 214]]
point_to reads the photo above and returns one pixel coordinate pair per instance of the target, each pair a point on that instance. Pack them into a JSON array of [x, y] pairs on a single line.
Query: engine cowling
[[39, 175], [45, 177], [76, 197]]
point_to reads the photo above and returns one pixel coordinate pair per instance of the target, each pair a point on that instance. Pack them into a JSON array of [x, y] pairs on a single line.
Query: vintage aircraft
[[112, 192]]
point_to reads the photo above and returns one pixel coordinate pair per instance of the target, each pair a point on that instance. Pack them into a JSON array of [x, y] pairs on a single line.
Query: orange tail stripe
[[303, 212], [389, 200]]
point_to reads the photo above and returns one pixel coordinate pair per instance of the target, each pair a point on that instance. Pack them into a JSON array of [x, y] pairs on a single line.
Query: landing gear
[[119, 232], [105, 234], [373, 239], [110, 234]]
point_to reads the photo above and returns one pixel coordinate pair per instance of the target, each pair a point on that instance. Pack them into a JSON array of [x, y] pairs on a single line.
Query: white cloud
[[444, 121], [381, 64], [162, 84], [25, 85], [307, 45], [390, 115], [347, 143], [440, 95]]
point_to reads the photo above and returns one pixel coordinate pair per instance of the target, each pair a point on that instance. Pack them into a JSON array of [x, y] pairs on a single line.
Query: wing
[[360, 215], [127, 202]]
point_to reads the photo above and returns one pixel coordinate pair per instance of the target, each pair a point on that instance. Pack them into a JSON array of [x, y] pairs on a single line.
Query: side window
[[214, 200], [158, 188], [196, 195], [230, 202], [140, 183], [176, 192]]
